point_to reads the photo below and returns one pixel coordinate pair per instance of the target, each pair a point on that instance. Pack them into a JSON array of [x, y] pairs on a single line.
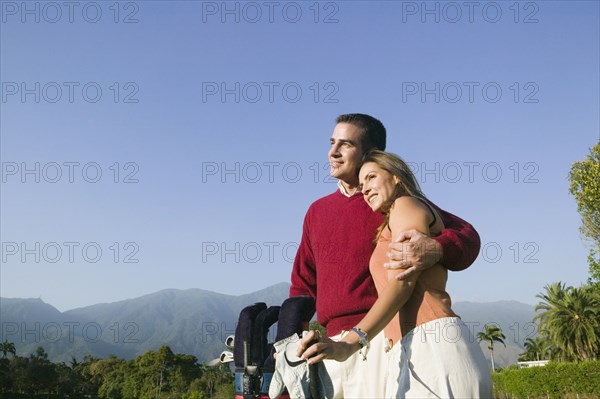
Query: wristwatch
[[363, 341]]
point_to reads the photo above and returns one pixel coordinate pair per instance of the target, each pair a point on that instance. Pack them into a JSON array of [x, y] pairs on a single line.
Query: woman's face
[[376, 184]]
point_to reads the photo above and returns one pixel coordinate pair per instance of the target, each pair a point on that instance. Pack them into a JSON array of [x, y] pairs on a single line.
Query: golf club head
[[229, 342], [214, 362], [226, 357]]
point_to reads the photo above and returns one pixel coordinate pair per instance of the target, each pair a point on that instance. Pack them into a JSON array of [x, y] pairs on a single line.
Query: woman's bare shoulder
[[409, 213]]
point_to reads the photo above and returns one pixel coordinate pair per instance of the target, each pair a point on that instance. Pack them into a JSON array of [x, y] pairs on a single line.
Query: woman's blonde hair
[[407, 182]]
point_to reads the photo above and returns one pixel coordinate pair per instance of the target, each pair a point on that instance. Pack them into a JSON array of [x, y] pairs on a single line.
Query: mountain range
[[196, 322]]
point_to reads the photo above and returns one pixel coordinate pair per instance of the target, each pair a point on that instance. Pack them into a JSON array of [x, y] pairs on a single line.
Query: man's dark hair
[[373, 131]]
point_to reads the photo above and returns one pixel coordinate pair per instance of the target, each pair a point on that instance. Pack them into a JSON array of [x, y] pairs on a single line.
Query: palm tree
[[571, 320], [535, 349], [74, 362], [7, 347], [491, 333], [552, 299]]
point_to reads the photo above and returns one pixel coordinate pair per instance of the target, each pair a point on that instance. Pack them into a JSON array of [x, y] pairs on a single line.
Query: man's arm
[[304, 273], [459, 240], [456, 247]]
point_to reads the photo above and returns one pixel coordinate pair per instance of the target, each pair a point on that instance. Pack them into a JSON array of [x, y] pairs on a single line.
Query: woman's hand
[[315, 348]]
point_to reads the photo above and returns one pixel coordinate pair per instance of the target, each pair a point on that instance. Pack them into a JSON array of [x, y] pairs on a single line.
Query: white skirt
[[439, 359]]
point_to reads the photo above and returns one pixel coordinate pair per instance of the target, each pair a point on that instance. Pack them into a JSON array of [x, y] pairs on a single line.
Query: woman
[[437, 356]]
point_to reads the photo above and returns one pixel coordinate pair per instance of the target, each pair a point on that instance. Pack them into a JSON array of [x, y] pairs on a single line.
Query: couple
[[425, 350]]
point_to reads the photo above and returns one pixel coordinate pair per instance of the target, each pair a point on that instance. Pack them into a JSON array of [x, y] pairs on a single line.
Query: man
[[332, 263]]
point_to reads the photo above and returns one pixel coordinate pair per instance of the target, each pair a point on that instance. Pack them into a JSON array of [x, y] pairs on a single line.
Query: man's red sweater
[[332, 263]]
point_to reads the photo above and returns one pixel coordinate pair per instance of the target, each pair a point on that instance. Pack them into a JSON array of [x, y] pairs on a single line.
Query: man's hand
[[315, 348], [413, 251]]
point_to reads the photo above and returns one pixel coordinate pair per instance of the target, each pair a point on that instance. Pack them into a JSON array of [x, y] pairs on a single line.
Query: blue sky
[[209, 125]]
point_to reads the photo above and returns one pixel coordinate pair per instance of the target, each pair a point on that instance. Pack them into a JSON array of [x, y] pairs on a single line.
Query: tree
[[210, 380], [535, 349], [552, 300], [225, 390], [5, 377], [33, 375], [67, 382], [491, 334], [41, 372], [570, 320], [8, 347], [19, 375], [107, 374], [585, 187], [157, 374]]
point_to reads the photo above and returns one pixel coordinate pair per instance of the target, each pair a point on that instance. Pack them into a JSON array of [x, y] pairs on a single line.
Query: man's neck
[[348, 189]]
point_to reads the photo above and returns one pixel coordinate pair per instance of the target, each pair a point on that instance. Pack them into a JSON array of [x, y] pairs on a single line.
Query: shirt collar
[[343, 189]]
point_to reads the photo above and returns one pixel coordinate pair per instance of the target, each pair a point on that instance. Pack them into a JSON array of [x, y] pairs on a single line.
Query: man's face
[[346, 152]]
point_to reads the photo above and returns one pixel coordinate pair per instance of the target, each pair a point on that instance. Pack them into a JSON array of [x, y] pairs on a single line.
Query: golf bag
[[253, 354]]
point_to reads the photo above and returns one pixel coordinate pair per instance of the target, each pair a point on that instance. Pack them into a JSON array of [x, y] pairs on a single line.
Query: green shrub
[[555, 380]]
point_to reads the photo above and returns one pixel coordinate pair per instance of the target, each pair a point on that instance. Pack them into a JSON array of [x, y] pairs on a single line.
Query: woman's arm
[[407, 213]]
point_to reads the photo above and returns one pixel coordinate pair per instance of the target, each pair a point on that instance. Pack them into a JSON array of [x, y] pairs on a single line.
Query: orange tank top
[[429, 300]]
